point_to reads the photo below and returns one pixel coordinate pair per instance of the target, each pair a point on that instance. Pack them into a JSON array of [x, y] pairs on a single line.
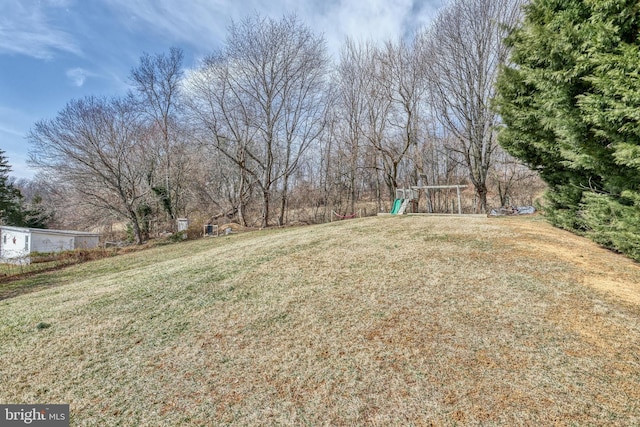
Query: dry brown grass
[[376, 321]]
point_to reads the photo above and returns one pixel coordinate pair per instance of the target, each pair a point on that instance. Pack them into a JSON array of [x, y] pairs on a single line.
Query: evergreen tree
[[570, 102], [34, 214], [13, 209], [10, 197]]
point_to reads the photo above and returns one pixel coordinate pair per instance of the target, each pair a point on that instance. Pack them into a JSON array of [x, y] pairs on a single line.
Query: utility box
[[210, 230], [183, 224]]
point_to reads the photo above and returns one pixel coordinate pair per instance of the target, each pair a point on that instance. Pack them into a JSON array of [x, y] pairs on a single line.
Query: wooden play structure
[[404, 197], [410, 196]]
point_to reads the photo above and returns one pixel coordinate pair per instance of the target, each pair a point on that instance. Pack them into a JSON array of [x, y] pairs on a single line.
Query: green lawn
[[413, 320]]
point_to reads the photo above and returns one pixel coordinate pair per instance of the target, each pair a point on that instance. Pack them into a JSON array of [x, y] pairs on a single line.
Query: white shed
[[16, 243]]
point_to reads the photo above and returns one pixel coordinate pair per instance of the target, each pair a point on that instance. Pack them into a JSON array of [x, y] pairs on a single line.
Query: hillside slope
[[409, 320]]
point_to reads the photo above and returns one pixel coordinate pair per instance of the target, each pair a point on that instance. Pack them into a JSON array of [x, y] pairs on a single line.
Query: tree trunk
[[265, 208], [283, 201], [135, 224], [481, 191], [241, 198]]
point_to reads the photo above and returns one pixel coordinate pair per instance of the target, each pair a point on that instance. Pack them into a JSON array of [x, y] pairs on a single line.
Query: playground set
[[409, 196]]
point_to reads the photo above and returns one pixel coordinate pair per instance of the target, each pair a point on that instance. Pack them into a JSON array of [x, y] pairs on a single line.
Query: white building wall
[[14, 244], [46, 242]]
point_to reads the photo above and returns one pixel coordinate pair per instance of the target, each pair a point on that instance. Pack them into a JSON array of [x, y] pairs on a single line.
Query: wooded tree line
[[269, 130]]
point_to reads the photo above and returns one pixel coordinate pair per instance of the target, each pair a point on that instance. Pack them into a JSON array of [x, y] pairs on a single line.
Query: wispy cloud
[[197, 22], [9, 130], [26, 28], [12, 119], [203, 23], [376, 20], [78, 76]]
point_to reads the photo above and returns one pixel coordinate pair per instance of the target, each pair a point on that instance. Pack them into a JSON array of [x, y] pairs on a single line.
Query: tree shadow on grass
[[13, 286]]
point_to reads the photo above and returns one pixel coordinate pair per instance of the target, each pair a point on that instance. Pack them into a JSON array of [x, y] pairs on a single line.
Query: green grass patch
[[373, 321]]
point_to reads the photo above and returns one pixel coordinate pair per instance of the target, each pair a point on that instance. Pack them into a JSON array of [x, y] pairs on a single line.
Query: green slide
[[396, 206]]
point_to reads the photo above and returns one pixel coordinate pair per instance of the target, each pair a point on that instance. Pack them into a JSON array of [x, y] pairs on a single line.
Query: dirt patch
[[613, 274]]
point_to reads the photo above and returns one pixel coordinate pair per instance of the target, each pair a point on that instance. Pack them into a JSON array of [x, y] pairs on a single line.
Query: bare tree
[[261, 100], [93, 146], [463, 51], [395, 103], [224, 122], [352, 80], [157, 82], [513, 181], [304, 92]]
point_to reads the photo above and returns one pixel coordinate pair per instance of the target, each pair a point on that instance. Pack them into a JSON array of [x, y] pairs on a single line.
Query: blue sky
[[52, 51]]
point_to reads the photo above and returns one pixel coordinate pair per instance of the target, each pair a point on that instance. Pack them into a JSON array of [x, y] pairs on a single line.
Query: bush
[[612, 222]]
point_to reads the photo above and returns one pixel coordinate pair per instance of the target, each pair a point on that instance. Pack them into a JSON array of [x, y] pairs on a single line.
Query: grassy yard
[[409, 320]]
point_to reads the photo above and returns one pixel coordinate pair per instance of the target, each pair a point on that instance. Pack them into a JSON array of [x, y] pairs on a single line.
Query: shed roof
[[48, 231]]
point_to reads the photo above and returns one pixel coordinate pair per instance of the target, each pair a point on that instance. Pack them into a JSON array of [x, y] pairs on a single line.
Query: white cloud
[[78, 76], [376, 20], [197, 22], [203, 23], [25, 28]]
